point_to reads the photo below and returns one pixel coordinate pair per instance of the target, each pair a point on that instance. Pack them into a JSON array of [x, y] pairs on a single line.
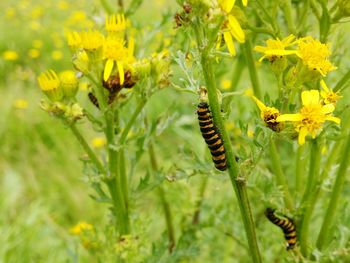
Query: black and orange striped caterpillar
[[287, 225], [211, 136]]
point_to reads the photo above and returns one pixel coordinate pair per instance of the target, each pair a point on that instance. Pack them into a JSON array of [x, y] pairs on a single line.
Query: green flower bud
[[69, 83], [50, 85]]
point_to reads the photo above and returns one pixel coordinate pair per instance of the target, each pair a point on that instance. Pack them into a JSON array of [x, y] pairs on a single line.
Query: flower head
[[50, 84], [81, 227], [269, 115], [115, 52], [231, 27], [91, 40], [315, 55], [115, 24], [329, 96], [276, 48], [311, 116], [10, 55], [69, 83]]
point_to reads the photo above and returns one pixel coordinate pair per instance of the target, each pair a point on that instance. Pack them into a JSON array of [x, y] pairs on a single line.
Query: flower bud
[[69, 83], [81, 62], [50, 85]]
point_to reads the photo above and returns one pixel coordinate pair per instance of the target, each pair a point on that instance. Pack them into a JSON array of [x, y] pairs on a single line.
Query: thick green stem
[[308, 204], [281, 179], [247, 46], [165, 204], [299, 174], [327, 225], [87, 149], [237, 183]]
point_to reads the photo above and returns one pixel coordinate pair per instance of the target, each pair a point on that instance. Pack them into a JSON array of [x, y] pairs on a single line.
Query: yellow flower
[[91, 40], [276, 48], [10, 55], [329, 96], [81, 227], [269, 115], [315, 55], [226, 84], [231, 27], [74, 40], [33, 53], [57, 55], [20, 104], [98, 142], [311, 116], [115, 24], [116, 53], [37, 43], [50, 84]]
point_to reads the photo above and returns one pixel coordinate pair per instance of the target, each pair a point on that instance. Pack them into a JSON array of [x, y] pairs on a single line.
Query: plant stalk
[[247, 47]]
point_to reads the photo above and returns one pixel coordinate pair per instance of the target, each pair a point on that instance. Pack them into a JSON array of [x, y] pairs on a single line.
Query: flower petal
[[324, 86], [332, 118], [245, 2], [227, 5], [236, 29], [302, 135], [310, 97], [108, 69], [229, 43], [289, 117], [328, 108], [260, 105], [121, 72]]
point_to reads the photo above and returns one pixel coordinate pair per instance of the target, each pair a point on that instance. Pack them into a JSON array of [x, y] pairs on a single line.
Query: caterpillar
[[93, 99], [287, 225], [211, 136]]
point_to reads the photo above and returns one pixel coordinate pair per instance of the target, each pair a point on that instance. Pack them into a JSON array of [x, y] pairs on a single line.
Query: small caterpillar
[[287, 225], [93, 99], [211, 136]]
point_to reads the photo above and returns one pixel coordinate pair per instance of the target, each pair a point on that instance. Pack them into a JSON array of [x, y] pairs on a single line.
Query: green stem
[[124, 186], [342, 82], [87, 149], [299, 175], [121, 6], [237, 73], [106, 7], [281, 179], [165, 204], [131, 121], [302, 21], [315, 10], [308, 204], [238, 185], [247, 46], [196, 214], [327, 225], [287, 9]]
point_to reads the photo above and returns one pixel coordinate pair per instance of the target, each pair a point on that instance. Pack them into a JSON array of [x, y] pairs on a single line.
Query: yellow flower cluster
[[92, 46]]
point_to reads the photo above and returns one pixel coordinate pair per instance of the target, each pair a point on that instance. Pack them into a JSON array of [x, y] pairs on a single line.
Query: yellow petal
[[289, 117], [121, 72], [323, 94], [310, 97], [218, 42], [324, 86], [302, 135], [328, 108], [332, 118], [287, 41], [226, 5], [260, 105], [280, 52], [245, 2], [229, 43], [261, 49], [108, 69], [236, 29]]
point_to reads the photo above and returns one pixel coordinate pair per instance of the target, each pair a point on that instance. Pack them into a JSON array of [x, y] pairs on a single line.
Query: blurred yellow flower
[[35, 25], [10, 12], [37, 43], [315, 55], [276, 48], [33, 53], [226, 84], [63, 5], [57, 55], [21, 104], [311, 117], [81, 227], [98, 142], [37, 12], [10, 55], [329, 96]]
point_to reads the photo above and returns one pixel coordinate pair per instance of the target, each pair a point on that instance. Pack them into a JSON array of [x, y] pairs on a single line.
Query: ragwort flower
[[315, 55], [231, 27], [276, 48], [50, 85], [311, 116], [115, 24], [328, 95]]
